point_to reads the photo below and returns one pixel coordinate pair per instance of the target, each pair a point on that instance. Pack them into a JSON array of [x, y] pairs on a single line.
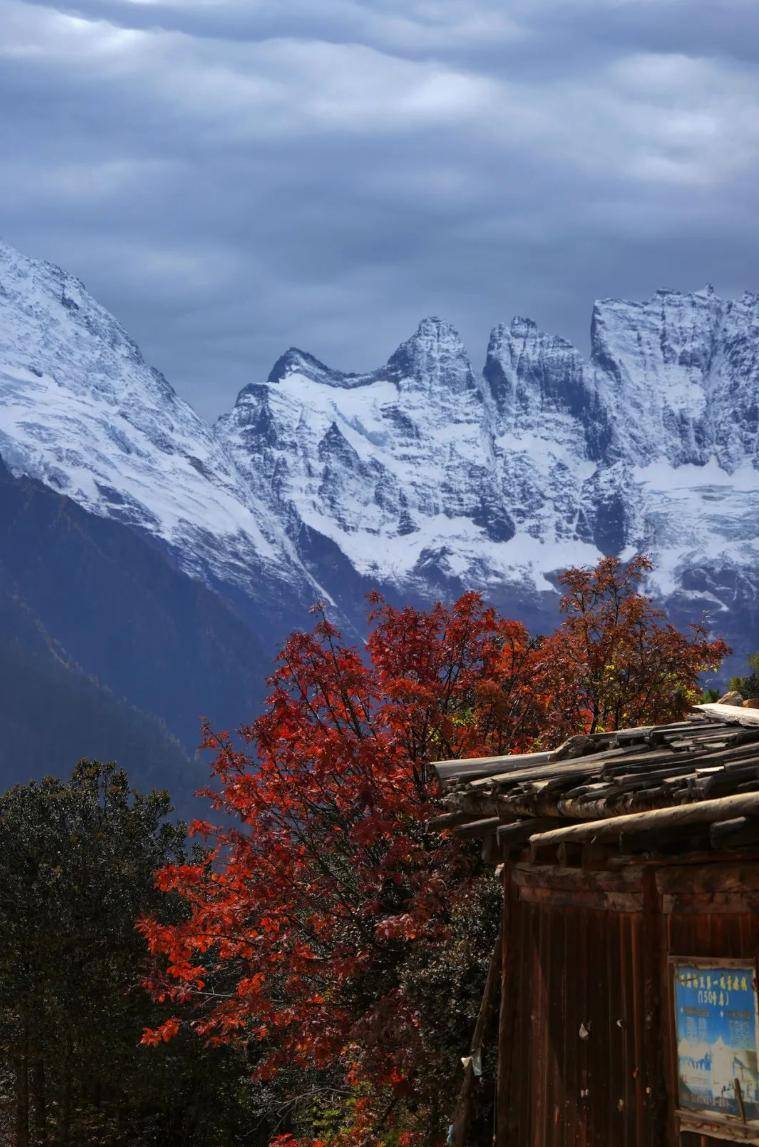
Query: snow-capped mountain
[[81, 411], [423, 474], [422, 477]]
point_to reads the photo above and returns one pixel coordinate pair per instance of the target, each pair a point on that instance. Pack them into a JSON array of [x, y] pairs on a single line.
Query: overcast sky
[[231, 177]]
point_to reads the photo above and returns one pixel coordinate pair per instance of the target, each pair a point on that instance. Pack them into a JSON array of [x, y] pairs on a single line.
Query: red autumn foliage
[[300, 917]]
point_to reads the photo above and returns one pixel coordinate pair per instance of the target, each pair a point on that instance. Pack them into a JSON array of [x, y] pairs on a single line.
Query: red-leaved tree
[[317, 928]]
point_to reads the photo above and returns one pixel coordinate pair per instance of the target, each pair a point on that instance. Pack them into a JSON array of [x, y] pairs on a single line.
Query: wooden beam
[[581, 745], [732, 713], [511, 835], [699, 812], [485, 766], [477, 828], [575, 766], [447, 820]]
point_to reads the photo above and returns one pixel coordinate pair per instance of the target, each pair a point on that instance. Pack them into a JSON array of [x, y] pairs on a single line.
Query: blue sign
[[716, 1029]]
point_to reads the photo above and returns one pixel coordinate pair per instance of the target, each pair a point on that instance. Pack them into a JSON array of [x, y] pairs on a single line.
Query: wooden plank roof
[[711, 756]]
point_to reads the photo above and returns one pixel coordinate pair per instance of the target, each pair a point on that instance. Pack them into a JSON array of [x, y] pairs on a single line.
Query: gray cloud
[[233, 176]]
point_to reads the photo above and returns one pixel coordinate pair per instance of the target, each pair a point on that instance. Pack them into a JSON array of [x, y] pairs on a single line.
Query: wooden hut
[[628, 952]]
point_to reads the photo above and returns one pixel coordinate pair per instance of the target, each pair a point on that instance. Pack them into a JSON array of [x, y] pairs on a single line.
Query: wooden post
[[463, 1109]]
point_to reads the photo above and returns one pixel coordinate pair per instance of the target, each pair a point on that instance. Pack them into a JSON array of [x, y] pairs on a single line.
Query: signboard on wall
[[717, 1034]]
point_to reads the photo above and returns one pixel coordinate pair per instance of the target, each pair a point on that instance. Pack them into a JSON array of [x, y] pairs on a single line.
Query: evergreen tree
[[748, 686], [76, 871]]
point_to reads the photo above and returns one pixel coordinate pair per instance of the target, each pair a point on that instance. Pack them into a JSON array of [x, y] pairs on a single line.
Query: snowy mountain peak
[[434, 358], [296, 361], [36, 292], [521, 327], [300, 362], [531, 373]]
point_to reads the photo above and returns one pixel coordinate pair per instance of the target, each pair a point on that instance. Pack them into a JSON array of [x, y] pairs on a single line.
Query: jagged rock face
[[392, 466], [426, 476], [681, 375], [432, 362], [421, 477], [547, 429]]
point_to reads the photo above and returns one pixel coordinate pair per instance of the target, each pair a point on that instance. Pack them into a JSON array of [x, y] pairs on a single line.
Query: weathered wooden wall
[[586, 1058]]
